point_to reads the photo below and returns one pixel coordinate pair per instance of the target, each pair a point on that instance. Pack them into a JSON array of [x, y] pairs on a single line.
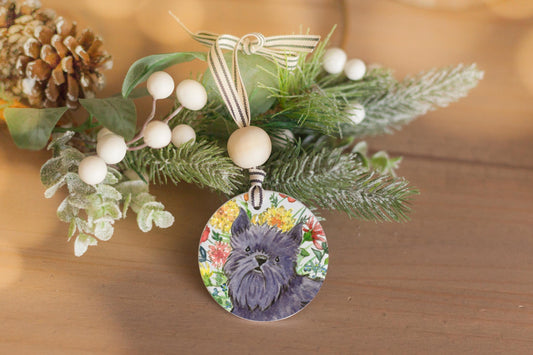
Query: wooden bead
[[182, 134], [92, 170], [334, 60], [355, 69], [249, 147]]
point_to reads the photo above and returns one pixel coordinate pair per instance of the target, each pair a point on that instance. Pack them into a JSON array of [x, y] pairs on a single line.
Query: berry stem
[[173, 114], [141, 132]]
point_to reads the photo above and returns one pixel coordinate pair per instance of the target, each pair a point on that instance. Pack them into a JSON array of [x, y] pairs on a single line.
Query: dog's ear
[[296, 233], [241, 223]]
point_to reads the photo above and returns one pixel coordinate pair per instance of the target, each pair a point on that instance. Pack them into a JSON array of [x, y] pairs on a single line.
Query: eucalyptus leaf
[[51, 191], [103, 230], [126, 205], [108, 192], [144, 67], [115, 113], [77, 186], [256, 72], [66, 212], [145, 216], [163, 219], [52, 172], [82, 243], [30, 127], [71, 229]]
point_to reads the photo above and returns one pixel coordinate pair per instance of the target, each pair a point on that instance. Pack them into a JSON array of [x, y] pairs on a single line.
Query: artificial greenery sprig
[[318, 156]]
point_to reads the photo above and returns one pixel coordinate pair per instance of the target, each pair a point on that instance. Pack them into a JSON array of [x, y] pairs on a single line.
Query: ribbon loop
[[249, 46], [257, 176], [283, 50]]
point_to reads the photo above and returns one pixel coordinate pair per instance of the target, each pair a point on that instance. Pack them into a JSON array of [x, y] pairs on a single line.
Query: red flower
[[218, 253], [290, 199], [317, 233], [205, 234]]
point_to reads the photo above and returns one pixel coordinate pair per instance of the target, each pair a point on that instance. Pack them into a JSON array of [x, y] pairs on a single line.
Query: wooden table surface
[[457, 278]]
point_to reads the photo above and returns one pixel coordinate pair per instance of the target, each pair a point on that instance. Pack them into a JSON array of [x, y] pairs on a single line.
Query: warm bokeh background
[[459, 277]]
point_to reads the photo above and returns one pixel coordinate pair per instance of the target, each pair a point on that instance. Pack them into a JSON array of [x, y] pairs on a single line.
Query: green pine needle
[[203, 163], [413, 97], [334, 180]]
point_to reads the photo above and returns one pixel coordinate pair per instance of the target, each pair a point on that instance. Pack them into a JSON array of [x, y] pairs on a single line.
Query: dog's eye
[[277, 259], [247, 249]]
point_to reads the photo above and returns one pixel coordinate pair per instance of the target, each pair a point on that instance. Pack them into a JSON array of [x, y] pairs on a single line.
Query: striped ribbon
[[283, 50]]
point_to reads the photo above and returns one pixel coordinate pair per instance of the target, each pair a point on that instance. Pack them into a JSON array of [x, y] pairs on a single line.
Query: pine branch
[[335, 180], [413, 97], [203, 163]]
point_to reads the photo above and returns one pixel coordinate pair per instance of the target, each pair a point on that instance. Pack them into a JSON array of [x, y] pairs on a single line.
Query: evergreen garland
[[326, 166]]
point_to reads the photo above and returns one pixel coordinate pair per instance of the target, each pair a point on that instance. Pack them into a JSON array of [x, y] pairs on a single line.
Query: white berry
[[249, 147], [182, 134], [355, 69], [157, 135], [283, 138], [334, 60], [103, 132], [92, 170], [191, 94], [357, 113], [111, 148], [160, 85]]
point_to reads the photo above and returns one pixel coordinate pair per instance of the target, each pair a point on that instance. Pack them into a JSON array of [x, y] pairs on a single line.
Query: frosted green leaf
[[361, 148], [163, 219], [82, 225], [53, 189], [126, 205], [52, 172], [106, 209], [138, 201], [103, 229], [71, 229], [82, 243], [76, 185], [78, 201], [59, 141], [146, 215], [71, 157], [113, 176], [134, 187], [108, 192], [66, 212]]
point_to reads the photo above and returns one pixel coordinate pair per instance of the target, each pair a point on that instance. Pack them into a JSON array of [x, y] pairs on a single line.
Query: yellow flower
[[205, 271], [279, 217], [224, 217]]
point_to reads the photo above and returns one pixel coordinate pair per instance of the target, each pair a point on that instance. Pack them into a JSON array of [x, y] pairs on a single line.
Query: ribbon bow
[[283, 50]]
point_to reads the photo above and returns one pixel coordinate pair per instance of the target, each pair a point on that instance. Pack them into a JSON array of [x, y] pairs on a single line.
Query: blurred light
[[512, 9], [114, 9], [158, 25], [10, 264]]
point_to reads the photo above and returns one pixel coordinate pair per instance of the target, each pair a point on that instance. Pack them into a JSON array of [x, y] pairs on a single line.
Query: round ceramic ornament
[[266, 264]]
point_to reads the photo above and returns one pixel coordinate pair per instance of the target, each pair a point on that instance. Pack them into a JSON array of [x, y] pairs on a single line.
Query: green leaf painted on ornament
[[308, 237], [31, 127], [114, 113], [318, 254], [258, 74], [144, 67], [304, 253]]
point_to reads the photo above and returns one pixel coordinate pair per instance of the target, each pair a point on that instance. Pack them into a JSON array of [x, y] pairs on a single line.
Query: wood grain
[[457, 278]]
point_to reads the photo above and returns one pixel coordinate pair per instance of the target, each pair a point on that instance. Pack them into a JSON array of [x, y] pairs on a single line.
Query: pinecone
[[44, 59]]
